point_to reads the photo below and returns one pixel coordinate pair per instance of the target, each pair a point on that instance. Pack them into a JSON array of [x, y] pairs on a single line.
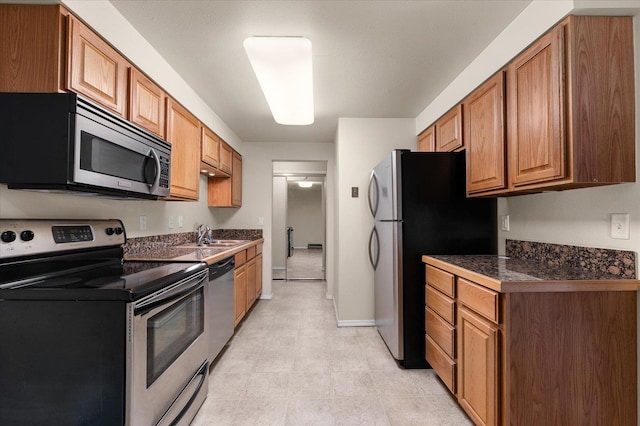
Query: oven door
[[167, 366]]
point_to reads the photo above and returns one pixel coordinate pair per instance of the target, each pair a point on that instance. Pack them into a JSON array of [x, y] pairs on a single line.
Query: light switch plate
[[170, 222], [354, 192], [620, 226], [143, 223]]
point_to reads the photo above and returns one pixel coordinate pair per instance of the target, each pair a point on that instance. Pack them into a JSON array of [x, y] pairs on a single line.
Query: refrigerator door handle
[[373, 194], [374, 263]]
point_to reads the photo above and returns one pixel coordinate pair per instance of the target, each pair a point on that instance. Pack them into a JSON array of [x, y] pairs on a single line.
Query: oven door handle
[[166, 418], [177, 291]]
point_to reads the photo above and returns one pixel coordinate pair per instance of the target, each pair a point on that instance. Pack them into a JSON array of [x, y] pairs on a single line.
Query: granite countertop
[[507, 274], [167, 251]]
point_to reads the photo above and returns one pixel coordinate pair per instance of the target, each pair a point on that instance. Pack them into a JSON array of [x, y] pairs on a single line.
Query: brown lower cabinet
[[247, 280], [546, 354]]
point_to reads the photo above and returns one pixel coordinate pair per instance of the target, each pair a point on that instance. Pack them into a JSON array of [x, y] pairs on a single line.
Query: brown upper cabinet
[[210, 149], [484, 136], [570, 113], [183, 132], [448, 131], [571, 107], [227, 191], [95, 69], [426, 140], [33, 51], [226, 157], [146, 103]]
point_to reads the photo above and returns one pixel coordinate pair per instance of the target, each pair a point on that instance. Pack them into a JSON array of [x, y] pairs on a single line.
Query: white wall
[[257, 189], [32, 205], [304, 214], [360, 144]]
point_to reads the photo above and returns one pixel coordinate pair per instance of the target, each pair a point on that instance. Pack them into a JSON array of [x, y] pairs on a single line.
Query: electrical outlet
[[261, 221], [620, 226], [504, 222], [180, 221], [143, 223], [170, 224], [354, 192]]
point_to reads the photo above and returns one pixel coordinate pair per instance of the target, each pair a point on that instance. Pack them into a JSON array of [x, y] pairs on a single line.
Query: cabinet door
[[183, 131], [448, 135], [251, 282], [146, 103], [236, 181], [226, 158], [477, 367], [427, 140], [258, 275], [33, 51], [536, 112], [95, 69], [484, 136], [240, 294], [210, 149]]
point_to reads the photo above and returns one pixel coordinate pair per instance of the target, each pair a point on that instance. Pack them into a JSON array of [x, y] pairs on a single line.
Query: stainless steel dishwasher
[[221, 305]]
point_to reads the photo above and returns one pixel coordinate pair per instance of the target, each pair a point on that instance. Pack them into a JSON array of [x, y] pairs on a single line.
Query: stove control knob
[[119, 230], [27, 235], [8, 236], [109, 231]]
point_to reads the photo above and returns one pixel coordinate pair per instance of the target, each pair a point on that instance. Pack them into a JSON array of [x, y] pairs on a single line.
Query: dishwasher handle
[[218, 269]]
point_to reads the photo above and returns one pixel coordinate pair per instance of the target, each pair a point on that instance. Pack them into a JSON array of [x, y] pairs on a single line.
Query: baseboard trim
[[351, 323], [356, 323], [266, 296]]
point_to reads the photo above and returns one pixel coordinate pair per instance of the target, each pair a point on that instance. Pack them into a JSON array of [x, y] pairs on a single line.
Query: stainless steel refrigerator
[[418, 201]]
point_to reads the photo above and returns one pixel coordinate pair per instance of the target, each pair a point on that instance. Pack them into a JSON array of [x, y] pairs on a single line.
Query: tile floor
[[289, 364]]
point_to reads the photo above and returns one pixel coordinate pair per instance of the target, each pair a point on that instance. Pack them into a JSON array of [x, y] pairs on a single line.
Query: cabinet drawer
[[251, 252], [444, 366], [441, 332], [241, 258], [441, 280], [480, 299], [440, 304]]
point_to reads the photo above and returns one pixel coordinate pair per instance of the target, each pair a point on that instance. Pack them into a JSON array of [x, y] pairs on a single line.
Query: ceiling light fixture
[[305, 184], [285, 73]]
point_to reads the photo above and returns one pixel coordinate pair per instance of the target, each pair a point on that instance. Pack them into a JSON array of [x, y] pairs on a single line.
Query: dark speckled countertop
[[171, 247], [506, 274]]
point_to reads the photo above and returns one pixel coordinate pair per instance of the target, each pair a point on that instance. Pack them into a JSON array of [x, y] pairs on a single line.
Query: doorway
[[299, 220]]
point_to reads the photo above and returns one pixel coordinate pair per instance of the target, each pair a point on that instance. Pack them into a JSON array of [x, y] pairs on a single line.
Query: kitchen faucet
[[203, 234]]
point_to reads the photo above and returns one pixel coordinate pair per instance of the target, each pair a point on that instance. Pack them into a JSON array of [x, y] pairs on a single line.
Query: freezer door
[[388, 287], [386, 198]]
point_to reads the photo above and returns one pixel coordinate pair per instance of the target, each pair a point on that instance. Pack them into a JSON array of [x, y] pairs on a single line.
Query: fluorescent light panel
[[284, 70], [305, 184]]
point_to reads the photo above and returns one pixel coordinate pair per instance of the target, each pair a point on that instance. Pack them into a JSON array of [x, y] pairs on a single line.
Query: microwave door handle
[[156, 181]]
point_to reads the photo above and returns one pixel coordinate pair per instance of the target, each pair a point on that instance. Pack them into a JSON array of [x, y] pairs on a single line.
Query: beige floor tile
[[352, 383], [274, 361], [224, 385], [360, 411], [310, 384], [411, 411], [216, 412], [310, 412], [267, 385], [261, 412]]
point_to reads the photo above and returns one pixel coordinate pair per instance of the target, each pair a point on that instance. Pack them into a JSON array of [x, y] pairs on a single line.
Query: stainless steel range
[[89, 339]]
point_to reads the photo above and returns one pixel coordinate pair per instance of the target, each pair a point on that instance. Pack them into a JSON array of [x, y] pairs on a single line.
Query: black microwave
[[63, 142]]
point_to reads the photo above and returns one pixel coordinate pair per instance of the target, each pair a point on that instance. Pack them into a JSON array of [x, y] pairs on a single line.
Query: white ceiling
[[371, 58]]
